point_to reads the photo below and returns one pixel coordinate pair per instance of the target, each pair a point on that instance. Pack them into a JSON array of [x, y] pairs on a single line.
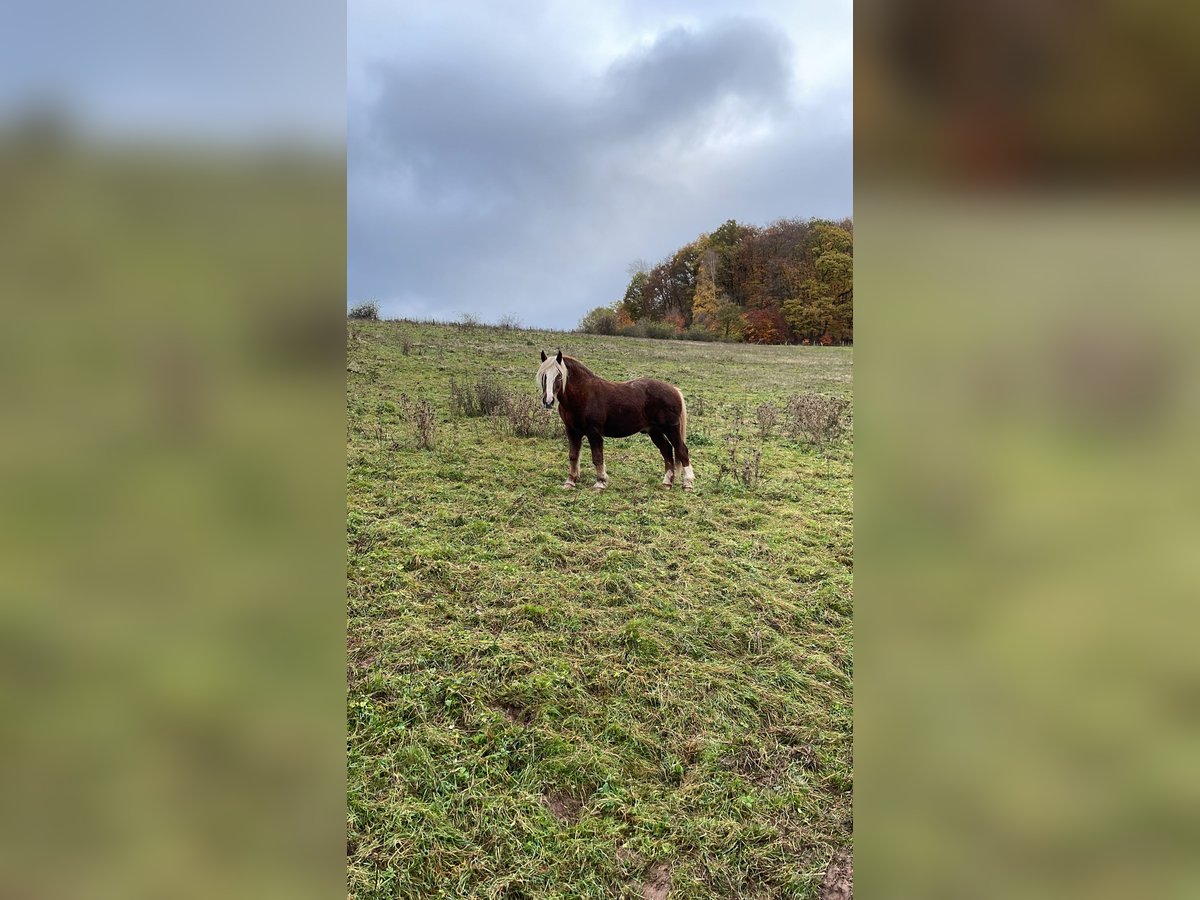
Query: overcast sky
[[221, 70], [515, 158]]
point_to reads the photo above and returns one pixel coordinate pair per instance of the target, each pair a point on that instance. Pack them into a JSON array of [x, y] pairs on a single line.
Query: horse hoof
[[568, 485], [599, 486], [687, 485]]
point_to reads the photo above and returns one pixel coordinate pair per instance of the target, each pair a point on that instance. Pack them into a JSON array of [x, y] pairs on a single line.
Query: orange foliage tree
[[765, 326]]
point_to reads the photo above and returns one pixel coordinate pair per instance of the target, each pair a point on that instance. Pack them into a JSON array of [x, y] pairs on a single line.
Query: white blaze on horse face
[[549, 373]]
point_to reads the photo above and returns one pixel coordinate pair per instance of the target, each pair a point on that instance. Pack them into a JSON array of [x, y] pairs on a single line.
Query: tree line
[[788, 282]]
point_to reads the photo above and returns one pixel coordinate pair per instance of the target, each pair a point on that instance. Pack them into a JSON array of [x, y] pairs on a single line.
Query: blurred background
[[172, 262], [1028, 397]]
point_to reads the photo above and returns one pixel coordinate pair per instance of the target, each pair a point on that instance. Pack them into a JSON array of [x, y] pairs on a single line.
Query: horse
[[595, 408]]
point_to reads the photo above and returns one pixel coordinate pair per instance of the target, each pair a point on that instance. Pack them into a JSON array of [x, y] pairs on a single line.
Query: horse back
[[643, 404]]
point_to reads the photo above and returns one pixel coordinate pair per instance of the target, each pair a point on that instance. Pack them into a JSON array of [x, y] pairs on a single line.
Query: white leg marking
[[688, 478]]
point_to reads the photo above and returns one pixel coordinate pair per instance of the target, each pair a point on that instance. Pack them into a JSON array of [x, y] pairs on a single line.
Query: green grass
[[577, 694]]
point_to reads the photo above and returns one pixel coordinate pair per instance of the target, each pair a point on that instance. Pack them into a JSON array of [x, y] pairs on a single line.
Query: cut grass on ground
[[569, 694]]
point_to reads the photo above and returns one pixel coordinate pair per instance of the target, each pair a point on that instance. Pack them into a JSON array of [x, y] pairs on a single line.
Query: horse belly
[[621, 429]]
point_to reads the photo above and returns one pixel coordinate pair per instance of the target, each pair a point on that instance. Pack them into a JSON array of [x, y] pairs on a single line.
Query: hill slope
[[578, 694]]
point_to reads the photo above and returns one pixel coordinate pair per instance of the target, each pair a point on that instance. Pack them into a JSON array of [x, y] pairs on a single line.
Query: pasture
[[577, 694]]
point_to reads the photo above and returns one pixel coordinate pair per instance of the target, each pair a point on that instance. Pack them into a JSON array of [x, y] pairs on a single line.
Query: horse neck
[[578, 379]]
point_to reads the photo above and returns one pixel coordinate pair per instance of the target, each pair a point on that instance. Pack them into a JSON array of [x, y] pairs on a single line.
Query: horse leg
[[597, 442], [675, 435], [668, 455], [574, 443]]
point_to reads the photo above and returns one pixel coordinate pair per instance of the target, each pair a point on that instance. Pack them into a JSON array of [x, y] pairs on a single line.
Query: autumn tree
[[729, 319], [601, 320], [705, 303], [836, 270], [798, 273], [765, 326], [635, 302]]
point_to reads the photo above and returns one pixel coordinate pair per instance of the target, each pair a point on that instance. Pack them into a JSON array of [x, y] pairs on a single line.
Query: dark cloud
[[684, 74], [483, 183]]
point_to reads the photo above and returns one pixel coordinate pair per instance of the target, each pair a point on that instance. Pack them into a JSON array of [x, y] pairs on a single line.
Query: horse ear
[[559, 358], [543, 356]]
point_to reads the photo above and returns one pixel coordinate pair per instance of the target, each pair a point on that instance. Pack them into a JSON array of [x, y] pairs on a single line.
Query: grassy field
[[579, 694]]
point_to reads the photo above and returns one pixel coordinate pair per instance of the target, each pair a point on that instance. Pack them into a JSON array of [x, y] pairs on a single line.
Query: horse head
[[551, 378]]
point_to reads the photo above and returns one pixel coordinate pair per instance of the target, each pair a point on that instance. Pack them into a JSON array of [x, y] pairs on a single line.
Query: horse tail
[[682, 419]]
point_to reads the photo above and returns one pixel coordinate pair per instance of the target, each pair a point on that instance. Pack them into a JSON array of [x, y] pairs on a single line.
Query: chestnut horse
[[595, 408]]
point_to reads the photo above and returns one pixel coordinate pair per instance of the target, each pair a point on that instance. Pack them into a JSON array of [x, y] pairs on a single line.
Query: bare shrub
[[524, 417], [422, 416], [742, 463], [467, 322], [406, 345], [737, 420], [518, 414], [368, 311], [484, 397], [462, 398], [490, 396], [383, 437], [766, 415], [509, 322], [816, 418], [424, 422]]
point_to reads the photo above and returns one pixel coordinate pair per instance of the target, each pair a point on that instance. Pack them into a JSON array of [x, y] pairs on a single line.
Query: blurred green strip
[[1027, 534], [171, 449]]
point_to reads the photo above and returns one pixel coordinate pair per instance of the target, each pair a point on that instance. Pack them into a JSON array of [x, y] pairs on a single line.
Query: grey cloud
[[685, 72], [489, 125], [479, 185]]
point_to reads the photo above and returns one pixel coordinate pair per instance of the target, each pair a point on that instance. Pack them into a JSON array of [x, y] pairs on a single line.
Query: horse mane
[[574, 365]]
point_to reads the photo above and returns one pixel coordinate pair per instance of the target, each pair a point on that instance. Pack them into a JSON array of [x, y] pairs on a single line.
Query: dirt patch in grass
[[838, 883], [807, 757], [517, 714], [770, 767], [564, 807], [658, 882]]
